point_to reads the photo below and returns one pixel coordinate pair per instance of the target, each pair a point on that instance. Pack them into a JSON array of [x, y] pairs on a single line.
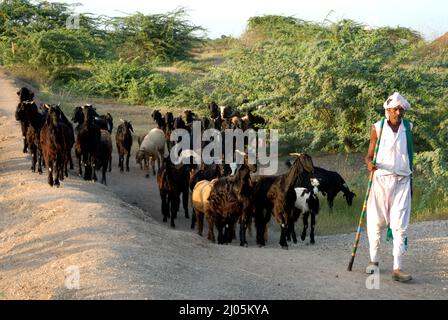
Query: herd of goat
[[223, 194]]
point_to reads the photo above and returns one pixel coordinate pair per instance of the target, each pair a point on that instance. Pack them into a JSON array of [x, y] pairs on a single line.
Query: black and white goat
[[307, 203]]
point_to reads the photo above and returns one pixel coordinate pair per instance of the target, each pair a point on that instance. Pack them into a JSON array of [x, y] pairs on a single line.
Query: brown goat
[[52, 141], [230, 199], [277, 196], [201, 206], [123, 139]]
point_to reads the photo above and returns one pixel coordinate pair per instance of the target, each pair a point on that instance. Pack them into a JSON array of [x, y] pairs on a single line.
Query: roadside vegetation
[[322, 85]]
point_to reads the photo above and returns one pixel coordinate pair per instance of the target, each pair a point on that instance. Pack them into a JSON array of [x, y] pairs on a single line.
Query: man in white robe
[[389, 202]]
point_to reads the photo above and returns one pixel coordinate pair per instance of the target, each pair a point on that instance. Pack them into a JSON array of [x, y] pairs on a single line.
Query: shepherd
[[389, 202]]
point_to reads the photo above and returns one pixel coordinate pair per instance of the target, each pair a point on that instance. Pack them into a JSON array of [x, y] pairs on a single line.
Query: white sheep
[[153, 147]]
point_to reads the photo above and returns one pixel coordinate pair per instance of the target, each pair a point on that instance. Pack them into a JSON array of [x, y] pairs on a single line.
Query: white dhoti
[[389, 204]]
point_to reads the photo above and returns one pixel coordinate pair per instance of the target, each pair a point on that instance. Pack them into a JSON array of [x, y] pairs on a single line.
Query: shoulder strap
[[410, 143]]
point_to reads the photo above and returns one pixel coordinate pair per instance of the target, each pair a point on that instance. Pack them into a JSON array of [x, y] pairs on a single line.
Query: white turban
[[396, 100]]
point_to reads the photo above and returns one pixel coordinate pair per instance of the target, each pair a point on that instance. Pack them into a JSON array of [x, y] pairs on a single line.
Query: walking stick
[[366, 198]]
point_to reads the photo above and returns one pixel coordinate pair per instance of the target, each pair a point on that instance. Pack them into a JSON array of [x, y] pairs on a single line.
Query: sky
[[229, 17]]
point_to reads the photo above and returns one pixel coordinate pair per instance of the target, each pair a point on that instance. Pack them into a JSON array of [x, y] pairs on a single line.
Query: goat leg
[[283, 241], [103, 177], [291, 233], [219, 226], [58, 171], [127, 161], [71, 160], [174, 208], [243, 228], [25, 145], [39, 159], [261, 227], [165, 207], [33, 159], [193, 219], [94, 179], [211, 233], [200, 217], [305, 225], [79, 165], [120, 162], [313, 223], [50, 173], [185, 199]]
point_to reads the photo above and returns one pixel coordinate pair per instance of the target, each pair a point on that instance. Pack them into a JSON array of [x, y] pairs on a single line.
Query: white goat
[[153, 147]]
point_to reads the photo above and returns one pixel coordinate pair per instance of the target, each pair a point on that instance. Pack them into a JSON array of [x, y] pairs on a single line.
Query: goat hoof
[[147, 176], [313, 242], [285, 247], [165, 219], [187, 216]]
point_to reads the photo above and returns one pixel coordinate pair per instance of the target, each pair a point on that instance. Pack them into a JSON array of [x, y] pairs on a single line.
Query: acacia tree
[[167, 36], [36, 33]]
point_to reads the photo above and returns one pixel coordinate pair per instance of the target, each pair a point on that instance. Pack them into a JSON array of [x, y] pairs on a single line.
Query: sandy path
[[114, 236]]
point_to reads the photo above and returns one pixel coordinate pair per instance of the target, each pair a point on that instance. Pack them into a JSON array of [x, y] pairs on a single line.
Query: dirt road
[[115, 238]]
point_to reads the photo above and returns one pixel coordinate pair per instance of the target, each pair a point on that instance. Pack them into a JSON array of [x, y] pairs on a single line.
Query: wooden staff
[[366, 198]]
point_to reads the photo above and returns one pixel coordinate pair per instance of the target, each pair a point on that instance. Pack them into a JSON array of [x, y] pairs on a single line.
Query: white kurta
[[390, 197]]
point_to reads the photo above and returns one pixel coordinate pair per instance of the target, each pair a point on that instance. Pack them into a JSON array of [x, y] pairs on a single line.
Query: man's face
[[395, 114]]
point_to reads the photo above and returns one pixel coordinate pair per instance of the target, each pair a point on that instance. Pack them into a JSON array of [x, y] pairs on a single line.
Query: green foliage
[[126, 81], [167, 36], [321, 84]]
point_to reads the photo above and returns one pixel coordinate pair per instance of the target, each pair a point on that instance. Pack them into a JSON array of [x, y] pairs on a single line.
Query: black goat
[[24, 95], [173, 181], [330, 184], [69, 135], [158, 119], [104, 122], [29, 112], [88, 144], [105, 153]]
